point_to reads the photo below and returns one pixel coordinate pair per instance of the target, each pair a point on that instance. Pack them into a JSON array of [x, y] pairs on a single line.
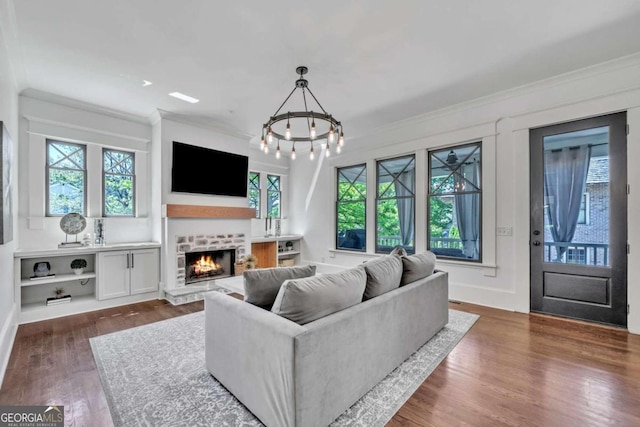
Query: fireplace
[[207, 265]]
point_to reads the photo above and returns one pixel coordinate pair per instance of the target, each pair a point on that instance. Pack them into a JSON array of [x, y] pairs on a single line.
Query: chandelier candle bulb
[[293, 152], [311, 156]]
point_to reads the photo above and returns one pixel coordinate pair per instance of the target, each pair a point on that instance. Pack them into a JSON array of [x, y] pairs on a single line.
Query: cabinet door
[[144, 271], [113, 274]]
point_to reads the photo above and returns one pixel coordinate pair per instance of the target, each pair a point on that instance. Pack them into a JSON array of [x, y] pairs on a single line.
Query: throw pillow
[[262, 285], [418, 266], [398, 250], [306, 300], [383, 275]]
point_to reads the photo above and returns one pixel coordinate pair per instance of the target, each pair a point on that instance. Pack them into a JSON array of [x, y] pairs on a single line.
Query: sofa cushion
[[305, 300], [418, 266], [262, 285], [383, 275]]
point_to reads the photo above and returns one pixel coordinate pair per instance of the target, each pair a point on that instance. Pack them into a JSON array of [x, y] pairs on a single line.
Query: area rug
[[155, 375]]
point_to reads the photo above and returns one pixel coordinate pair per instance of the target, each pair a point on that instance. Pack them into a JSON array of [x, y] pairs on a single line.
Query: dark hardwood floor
[[511, 369]]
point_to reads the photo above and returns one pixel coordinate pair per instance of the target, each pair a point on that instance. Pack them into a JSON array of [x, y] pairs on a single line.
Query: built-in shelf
[[285, 254], [57, 279], [89, 290], [75, 301]]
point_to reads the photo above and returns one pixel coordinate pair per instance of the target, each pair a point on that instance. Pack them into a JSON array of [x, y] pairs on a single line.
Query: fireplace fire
[[209, 264]]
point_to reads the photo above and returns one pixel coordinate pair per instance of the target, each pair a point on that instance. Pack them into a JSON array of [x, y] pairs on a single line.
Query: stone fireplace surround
[[205, 242]]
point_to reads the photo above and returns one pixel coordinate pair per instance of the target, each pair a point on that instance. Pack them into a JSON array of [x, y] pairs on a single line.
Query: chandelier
[[302, 126]]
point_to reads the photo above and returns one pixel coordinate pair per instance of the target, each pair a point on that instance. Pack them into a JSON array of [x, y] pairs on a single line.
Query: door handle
[[536, 243], [128, 263], [132, 261]]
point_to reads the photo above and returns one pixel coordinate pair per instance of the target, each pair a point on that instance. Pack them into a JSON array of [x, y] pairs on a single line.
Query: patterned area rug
[[155, 375]]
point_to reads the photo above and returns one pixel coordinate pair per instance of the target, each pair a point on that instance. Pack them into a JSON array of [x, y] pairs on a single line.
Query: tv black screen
[[205, 171]]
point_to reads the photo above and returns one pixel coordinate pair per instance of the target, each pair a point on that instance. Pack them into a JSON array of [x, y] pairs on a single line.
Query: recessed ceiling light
[[146, 83], [184, 97]]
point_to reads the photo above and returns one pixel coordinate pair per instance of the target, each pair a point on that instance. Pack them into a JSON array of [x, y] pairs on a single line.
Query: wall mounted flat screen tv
[[202, 170]]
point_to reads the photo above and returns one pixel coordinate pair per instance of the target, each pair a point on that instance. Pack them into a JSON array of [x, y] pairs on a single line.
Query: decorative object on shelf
[[6, 174], [86, 240], [267, 226], [72, 223], [42, 269], [98, 231], [301, 125], [78, 265], [289, 245], [278, 229], [59, 297]]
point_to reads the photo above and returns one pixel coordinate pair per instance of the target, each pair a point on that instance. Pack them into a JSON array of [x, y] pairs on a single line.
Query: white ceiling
[[370, 62]]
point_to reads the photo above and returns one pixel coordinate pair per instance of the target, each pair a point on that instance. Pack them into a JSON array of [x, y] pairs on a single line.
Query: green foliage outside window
[[254, 192], [274, 195], [119, 186], [66, 178]]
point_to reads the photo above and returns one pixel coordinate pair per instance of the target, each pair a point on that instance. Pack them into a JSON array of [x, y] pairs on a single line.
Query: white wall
[[502, 121], [267, 164], [42, 120], [9, 115], [165, 131]]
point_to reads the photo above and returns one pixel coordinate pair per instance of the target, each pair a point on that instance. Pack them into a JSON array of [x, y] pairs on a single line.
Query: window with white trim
[[66, 175]]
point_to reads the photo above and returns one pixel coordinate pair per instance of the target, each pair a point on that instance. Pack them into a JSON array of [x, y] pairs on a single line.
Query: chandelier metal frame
[[334, 133]]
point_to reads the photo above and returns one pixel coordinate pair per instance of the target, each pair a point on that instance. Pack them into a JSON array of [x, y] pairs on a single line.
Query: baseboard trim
[[7, 337], [494, 298]]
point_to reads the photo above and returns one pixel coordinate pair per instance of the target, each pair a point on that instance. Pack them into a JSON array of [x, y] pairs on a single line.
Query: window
[[254, 192], [274, 196], [583, 214], [118, 183], [455, 202], [395, 204], [576, 256], [351, 208], [66, 175]]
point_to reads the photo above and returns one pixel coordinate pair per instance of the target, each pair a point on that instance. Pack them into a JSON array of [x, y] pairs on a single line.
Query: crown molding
[[81, 105], [204, 123], [590, 71]]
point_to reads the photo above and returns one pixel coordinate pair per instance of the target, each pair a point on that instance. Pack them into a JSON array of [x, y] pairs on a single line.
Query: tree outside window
[[254, 192], [351, 208], [395, 204], [66, 178], [274, 196], [118, 179], [455, 202]]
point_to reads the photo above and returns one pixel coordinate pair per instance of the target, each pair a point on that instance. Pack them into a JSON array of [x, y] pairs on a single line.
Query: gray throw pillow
[[262, 285], [383, 275], [418, 266], [305, 300]]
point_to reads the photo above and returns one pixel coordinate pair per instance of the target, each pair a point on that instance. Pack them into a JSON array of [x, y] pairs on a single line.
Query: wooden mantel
[[219, 212]]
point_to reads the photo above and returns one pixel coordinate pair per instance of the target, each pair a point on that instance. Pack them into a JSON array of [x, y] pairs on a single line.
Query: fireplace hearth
[[207, 265]]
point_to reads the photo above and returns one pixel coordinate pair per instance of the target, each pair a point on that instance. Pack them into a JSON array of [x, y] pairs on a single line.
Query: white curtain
[[468, 208], [565, 179], [404, 186]]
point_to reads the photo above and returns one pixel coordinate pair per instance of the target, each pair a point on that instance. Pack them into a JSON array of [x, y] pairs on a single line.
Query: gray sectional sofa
[[291, 370]]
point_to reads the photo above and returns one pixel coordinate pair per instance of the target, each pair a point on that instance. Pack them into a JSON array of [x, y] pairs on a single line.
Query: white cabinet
[[115, 275], [123, 273]]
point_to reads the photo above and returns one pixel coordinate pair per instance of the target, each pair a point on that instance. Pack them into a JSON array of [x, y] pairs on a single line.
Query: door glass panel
[[576, 197]]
